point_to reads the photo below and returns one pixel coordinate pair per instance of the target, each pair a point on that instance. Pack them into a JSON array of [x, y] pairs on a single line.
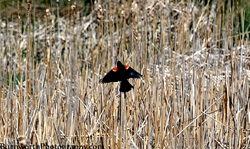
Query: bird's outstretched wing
[[111, 76], [132, 73]]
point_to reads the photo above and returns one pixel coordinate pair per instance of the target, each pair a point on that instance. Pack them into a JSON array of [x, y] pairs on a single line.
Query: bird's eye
[[126, 66], [114, 69]]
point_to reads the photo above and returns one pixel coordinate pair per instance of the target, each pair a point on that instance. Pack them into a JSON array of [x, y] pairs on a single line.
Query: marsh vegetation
[[194, 57]]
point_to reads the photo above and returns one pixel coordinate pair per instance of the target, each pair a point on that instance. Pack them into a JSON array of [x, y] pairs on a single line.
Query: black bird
[[121, 73]]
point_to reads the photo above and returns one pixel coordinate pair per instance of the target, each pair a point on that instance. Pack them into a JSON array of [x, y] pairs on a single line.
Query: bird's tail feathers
[[125, 86]]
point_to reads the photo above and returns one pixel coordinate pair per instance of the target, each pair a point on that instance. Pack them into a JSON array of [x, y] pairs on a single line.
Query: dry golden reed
[[194, 61]]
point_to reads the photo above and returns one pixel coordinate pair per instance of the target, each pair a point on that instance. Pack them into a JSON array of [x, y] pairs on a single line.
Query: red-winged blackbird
[[121, 73]]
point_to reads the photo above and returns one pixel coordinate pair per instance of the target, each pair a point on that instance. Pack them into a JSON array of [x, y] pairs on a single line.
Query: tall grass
[[194, 58]]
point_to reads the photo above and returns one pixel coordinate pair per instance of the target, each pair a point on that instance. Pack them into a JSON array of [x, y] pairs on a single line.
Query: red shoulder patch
[[126, 66], [114, 69]]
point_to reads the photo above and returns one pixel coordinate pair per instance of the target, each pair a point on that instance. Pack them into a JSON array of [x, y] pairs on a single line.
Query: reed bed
[[194, 58]]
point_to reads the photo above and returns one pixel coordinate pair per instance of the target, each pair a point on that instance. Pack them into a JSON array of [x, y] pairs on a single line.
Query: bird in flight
[[121, 73]]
